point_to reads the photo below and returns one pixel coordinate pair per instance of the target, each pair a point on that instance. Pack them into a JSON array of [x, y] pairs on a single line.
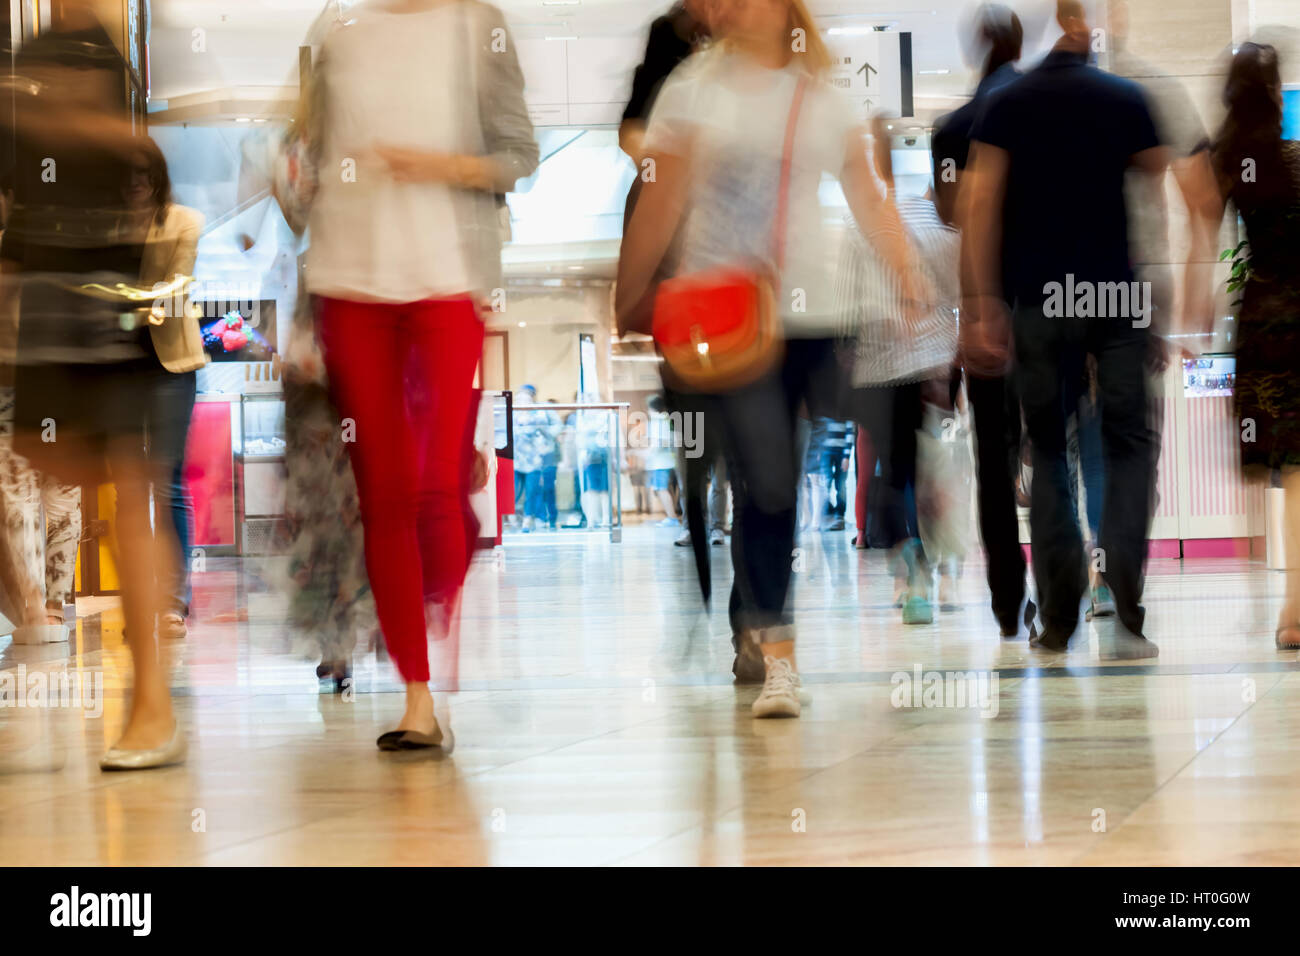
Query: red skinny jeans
[[404, 376]]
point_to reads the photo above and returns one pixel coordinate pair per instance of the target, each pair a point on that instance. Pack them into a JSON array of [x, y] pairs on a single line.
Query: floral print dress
[[1268, 335]]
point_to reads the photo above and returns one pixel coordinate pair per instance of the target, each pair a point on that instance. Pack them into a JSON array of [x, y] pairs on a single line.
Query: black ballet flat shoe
[[410, 740]]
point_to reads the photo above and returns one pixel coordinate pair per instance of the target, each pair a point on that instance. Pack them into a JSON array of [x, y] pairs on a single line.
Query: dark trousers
[[548, 495], [837, 477], [168, 427], [891, 415], [995, 408], [1050, 352], [759, 425]]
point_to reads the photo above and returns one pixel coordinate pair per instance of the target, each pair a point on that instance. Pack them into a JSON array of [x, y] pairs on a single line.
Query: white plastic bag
[[943, 485]]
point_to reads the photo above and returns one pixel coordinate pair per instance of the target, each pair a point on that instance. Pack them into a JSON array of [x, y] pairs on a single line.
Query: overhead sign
[[873, 69]]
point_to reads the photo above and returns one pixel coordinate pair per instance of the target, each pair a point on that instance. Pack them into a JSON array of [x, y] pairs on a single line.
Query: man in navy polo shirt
[[1045, 194], [995, 405]]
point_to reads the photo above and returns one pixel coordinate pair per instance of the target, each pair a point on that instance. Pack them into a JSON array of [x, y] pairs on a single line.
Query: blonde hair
[[816, 58]]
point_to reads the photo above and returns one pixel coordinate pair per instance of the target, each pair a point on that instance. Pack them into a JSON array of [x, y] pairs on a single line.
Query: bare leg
[[1291, 605], [419, 709], [666, 500], [140, 551], [781, 650]]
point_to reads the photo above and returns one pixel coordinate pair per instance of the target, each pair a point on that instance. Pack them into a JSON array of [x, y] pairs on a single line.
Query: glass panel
[[568, 469]]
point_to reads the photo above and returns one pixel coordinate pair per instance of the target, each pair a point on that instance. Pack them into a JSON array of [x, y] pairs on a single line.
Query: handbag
[[720, 329]]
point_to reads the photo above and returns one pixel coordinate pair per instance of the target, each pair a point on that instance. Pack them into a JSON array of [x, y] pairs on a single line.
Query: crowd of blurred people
[[920, 346], [952, 318]]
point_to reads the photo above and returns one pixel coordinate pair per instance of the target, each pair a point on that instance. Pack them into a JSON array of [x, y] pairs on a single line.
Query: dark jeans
[[168, 426], [759, 422], [891, 415], [533, 496], [832, 466], [548, 495], [995, 407], [1050, 352], [539, 495]]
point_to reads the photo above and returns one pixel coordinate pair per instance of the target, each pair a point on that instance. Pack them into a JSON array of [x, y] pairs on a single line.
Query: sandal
[[1288, 637]]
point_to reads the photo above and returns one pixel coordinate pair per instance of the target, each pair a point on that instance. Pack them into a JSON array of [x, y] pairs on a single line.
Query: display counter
[[235, 462]]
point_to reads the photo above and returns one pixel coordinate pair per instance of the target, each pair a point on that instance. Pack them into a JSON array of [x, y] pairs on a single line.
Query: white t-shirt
[[393, 80], [736, 112]]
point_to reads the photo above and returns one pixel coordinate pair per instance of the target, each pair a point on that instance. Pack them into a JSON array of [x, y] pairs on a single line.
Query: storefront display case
[[235, 459], [209, 472], [262, 468]]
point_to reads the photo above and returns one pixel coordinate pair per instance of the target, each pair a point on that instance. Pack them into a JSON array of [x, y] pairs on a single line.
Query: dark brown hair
[[159, 178], [1252, 128], [1000, 28]]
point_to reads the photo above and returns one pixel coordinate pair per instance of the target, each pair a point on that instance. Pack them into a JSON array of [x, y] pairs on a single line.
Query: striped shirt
[[888, 349]]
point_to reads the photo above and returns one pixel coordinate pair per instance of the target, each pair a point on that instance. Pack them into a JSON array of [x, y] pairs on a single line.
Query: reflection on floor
[[576, 744]]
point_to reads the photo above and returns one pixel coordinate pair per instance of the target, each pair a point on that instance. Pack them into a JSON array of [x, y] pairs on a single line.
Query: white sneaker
[[683, 539], [780, 694]]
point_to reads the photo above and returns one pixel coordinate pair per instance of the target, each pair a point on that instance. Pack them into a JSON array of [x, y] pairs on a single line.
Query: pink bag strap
[[783, 192]]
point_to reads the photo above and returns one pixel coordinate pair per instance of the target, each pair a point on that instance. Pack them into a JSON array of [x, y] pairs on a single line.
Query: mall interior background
[[221, 80]]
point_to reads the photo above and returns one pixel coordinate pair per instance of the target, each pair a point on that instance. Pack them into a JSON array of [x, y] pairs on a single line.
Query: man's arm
[[985, 330], [946, 195], [1205, 206], [980, 216], [1153, 162], [947, 173]]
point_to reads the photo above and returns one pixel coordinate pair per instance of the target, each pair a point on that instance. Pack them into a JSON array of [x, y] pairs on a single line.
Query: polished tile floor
[[583, 738]]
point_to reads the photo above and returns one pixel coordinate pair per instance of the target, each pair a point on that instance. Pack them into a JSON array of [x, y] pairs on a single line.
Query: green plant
[[1240, 273]]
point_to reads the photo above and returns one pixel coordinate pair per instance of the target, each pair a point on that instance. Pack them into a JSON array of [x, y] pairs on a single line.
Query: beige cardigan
[[170, 251]]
